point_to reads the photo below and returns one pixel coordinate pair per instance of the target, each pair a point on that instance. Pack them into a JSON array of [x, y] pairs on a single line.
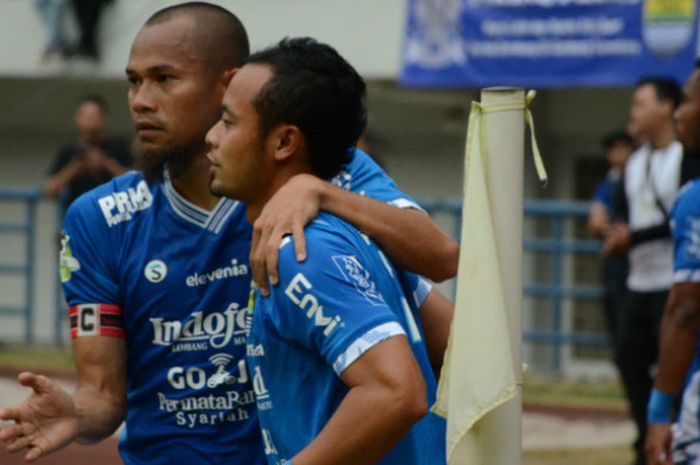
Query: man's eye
[[164, 78]]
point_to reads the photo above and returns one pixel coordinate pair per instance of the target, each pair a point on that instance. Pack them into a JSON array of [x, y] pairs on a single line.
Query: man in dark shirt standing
[[91, 160]]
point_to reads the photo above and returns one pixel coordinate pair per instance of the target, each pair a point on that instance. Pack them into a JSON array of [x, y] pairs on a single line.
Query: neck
[[663, 137], [282, 174], [193, 183]]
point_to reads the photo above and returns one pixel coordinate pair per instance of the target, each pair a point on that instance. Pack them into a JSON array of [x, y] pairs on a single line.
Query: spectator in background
[[618, 146], [51, 12], [91, 160], [650, 184], [87, 13]]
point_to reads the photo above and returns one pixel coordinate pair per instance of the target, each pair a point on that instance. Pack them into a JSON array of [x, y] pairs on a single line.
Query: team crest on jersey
[[354, 273], [343, 180], [67, 262]]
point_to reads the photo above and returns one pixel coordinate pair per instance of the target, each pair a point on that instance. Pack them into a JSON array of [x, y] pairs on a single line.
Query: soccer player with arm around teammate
[[339, 366], [680, 443], [142, 257]]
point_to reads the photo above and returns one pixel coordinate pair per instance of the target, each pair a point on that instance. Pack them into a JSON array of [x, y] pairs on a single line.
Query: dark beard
[[177, 160]]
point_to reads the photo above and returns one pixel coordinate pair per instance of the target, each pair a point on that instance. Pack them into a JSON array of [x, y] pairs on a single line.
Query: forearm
[[408, 236], [58, 181], [436, 314], [100, 412], [679, 336], [364, 428]]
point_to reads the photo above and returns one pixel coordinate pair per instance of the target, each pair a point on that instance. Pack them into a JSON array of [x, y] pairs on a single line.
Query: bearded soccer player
[[339, 366], [679, 357], [156, 271]]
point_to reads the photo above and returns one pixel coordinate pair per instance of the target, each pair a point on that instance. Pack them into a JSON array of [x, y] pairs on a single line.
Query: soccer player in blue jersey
[[339, 367], [679, 357], [156, 271]]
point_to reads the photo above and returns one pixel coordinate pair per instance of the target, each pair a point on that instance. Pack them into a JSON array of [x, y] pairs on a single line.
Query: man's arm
[[50, 418], [408, 236], [680, 328], [386, 397], [56, 182], [436, 313]]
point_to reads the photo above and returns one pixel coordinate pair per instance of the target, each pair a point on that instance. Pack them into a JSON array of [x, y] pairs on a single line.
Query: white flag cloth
[[478, 373]]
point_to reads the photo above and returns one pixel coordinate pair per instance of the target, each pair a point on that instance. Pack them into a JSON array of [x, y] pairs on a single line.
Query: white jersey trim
[[405, 203], [212, 221], [421, 292], [689, 275], [365, 342]]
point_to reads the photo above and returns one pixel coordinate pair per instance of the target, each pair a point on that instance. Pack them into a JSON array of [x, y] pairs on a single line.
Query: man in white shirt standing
[[650, 184]]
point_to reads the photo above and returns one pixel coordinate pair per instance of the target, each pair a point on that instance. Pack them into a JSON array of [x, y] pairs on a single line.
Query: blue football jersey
[[326, 313], [179, 277], [685, 223], [140, 262]]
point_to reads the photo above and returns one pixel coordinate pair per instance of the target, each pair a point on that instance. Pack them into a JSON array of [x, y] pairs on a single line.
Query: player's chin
[[218, 188]]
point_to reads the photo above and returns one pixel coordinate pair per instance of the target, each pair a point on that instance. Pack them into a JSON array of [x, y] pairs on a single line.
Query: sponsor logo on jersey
[[255, 351], [354, 273], [231, 271], [67, 262], [196, 378], [121, 206], [296, 291], [210, 408], [155, 271], [200, 331]]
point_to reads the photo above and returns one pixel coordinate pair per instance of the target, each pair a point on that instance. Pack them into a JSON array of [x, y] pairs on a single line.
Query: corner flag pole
[[505, 139], [479, 390]]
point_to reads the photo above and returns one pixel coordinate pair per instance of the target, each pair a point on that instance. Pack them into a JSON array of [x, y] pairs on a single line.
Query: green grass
[[36, 358], [543, 391], [609, 456]]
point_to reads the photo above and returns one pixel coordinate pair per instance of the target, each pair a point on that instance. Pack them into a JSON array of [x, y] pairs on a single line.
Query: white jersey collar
[[210, 220]]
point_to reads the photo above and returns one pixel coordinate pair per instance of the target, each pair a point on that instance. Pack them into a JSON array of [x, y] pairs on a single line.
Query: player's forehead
[[246, 85], [175, 44]]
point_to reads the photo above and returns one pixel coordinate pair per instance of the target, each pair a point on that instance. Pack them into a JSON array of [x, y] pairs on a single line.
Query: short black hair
[[666, 89], [317, 90], [97, 99], [230, 46], [614, 137]]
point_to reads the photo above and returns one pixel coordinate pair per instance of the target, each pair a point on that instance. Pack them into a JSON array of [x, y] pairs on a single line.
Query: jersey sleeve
[[415, 287], [87, 267], [685, 220], [364, 176], [330, 303]]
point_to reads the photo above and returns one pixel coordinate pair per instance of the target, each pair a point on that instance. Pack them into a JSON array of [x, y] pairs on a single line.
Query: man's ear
[[288, 141]]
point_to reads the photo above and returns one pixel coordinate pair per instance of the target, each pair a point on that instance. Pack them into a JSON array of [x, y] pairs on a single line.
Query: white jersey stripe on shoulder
[[686, 276], [405, 203], [365, 342]]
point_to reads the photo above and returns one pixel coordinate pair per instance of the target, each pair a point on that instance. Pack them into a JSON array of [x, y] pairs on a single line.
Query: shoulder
[[113, 202], [688, 198], [327, 236]]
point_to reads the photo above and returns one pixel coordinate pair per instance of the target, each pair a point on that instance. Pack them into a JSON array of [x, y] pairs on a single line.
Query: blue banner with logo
[[548, 43]]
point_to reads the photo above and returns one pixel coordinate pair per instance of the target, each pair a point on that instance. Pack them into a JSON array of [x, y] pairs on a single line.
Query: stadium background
[[418, 135]]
